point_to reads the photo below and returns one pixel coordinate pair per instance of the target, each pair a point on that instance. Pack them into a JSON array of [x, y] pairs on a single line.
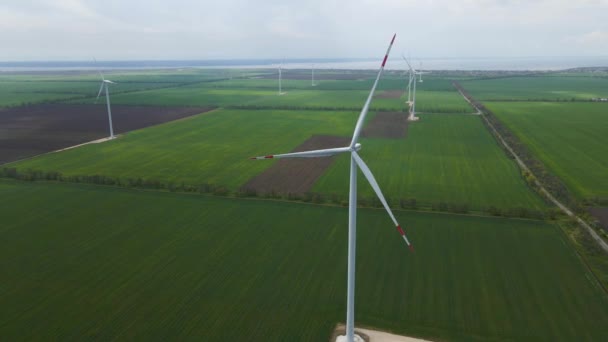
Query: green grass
[[81, 262], [14, 93], [446, 158], [210, 148], [570, 138], [538, 88], [449, 158]]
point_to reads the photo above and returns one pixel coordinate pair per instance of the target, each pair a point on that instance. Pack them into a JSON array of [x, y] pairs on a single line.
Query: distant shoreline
[[465, 64]]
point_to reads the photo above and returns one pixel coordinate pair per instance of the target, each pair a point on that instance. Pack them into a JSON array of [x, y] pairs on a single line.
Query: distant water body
[[522, 63]]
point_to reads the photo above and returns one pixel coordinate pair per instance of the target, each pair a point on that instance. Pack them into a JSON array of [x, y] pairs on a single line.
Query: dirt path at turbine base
[[27, 131], [297, 175], [392, 125]]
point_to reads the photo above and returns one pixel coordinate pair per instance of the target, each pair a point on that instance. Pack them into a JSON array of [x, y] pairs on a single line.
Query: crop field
[[445, 158], [204, 94], [570, 138], [104, 263], [26, 92], [31, 130], [538, 88], [210, 148]]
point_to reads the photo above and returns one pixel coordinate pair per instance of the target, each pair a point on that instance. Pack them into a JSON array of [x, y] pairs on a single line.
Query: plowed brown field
[[31, 130]]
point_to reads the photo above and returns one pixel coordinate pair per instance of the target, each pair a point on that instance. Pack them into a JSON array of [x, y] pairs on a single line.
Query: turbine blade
[[406, 61], [361, 119], [372, 181], [307, 154], [100, 90]]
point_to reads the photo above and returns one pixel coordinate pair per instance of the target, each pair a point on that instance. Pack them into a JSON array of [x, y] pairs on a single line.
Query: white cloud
[[313, 28]]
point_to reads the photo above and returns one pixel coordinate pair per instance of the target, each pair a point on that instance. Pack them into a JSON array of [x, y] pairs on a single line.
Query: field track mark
[[542, 189]]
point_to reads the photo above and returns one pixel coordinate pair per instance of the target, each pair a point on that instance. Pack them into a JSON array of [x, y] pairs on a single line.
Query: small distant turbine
[[355, 163], [104, 85], [280, 78], [412, 102]]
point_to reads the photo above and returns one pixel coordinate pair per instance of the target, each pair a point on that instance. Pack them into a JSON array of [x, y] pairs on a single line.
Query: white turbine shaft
[[352, 245], [413, 115], [280, 91], [109, 109]]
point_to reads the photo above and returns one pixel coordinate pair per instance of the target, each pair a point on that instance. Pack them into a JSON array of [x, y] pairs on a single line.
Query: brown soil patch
[[389, 94], [27, 131], [601, 214], [391, 125], [297, 175]]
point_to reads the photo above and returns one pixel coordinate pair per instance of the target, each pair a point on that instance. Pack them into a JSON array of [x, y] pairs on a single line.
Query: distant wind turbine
[[412, 101], [280, 78], [104, 85], [355, 162], [313, 75]]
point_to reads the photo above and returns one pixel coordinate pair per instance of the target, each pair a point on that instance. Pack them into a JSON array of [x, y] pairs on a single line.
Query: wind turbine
[[280, 77], [355, 162], [104, 85], [412, 101], [313, 76], [411, 78]]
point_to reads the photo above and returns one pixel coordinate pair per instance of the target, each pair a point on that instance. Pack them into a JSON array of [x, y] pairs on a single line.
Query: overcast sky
[[203, 29]]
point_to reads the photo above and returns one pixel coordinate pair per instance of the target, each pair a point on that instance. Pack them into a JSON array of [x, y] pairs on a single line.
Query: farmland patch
[[32, 130], [299, 174], [387, 125]]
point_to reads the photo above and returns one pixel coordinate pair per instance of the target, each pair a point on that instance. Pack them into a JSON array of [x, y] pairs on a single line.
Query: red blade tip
[[411, 248]]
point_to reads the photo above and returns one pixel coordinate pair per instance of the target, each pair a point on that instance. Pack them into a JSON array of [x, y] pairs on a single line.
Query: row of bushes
[[307, 197], [539, 172]]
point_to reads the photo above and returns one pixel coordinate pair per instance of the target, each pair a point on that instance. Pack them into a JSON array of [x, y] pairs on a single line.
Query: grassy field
[[538, 88], [210, 148], [203, 95], [82, 262], [449, 158], [570, 138], [13, 93]]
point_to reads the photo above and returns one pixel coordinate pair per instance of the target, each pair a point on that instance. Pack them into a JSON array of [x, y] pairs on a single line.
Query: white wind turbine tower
[[104, 85], [411, 78], [412, 101], [280, 78], [355, 162]]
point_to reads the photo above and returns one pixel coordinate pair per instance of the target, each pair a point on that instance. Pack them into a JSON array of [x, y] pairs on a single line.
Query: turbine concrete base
[[342, 338]]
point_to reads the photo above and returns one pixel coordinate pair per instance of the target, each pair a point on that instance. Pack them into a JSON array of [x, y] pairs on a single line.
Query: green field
[[14, 93], [446, 158], [449, 158], [333, 94], [214, 147], [538, 88], [570, 138], [103, 263]]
